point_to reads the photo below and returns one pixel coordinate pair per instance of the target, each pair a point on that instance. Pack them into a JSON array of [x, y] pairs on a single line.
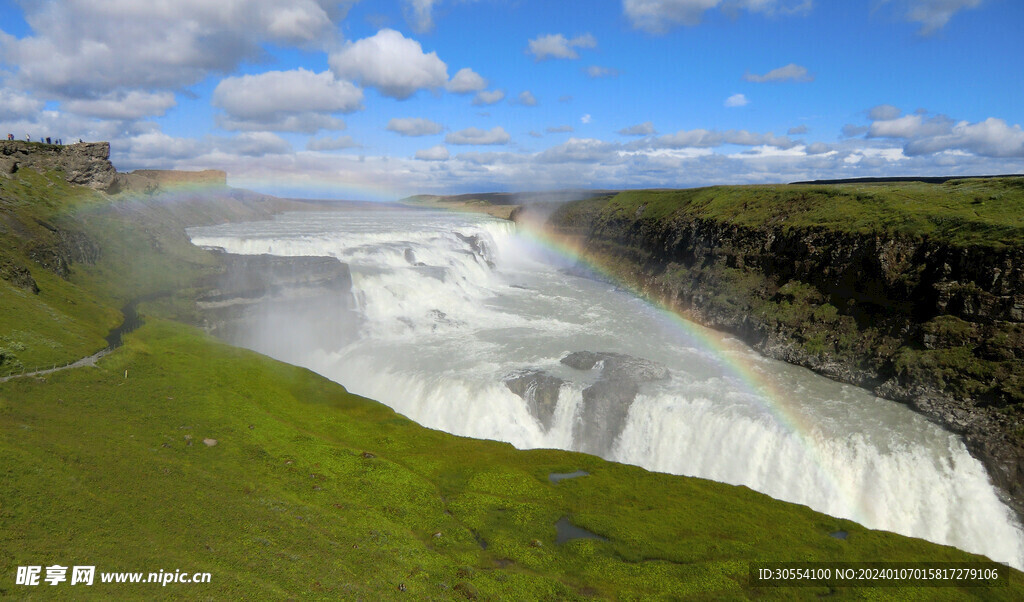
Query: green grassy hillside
[[310, 492], [979, 211], [44, 318]]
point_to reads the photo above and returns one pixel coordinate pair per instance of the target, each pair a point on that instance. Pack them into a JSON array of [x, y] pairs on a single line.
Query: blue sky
[[361, 99]]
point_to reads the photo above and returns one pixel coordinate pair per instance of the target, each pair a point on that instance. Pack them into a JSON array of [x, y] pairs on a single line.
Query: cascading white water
[[450, 306]]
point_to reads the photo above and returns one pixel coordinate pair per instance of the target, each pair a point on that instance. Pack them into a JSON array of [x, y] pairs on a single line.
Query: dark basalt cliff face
[[55, 247], [249, 277], [300, 302], [937, 326]]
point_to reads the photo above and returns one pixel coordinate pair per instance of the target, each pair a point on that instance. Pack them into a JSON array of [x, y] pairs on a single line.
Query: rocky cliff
[[212, 177], [916, 315], [86, 164], [151, 180], [297, 302]]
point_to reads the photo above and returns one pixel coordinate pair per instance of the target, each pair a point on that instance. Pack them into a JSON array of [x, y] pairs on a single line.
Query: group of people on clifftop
[[47, 140]]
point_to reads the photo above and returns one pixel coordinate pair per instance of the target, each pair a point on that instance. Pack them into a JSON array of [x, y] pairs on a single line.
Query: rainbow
[[728, 353], [726, 350]]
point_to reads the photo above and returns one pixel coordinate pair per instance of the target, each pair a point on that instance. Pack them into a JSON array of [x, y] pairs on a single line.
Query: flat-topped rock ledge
[[171, 177], [88, 164], [84, 163]]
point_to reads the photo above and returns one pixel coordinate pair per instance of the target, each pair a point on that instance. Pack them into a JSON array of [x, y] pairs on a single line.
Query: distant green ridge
[[980, 211]]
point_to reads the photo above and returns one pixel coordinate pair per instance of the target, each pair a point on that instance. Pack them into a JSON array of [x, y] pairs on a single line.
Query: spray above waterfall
[[466, 326]]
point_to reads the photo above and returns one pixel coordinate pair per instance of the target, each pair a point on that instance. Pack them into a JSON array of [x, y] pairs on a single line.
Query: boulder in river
[[617, 365], [605, 409], [539, 390], [606, 402]]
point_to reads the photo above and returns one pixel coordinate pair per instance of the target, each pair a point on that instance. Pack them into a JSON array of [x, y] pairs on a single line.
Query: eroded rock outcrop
[[606, 402], [88, 164], [57, 248], [539, 390], [84, 164], [617, 366], [18, 275]]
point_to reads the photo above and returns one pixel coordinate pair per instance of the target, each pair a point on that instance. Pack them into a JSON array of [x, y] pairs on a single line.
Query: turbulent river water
[[447, 307]]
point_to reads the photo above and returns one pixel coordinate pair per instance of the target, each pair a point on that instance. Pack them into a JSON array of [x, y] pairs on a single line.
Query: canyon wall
[[915, 318]]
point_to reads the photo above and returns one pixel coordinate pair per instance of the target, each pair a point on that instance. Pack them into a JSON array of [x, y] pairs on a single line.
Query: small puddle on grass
[[557, 477], [566, 531]]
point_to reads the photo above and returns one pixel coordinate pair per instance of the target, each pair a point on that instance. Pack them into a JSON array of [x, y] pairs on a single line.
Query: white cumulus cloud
[[465, 81], [658, 16], [910, 126], [434, 153], [990, 138], [496, 135], [485, 97], [736, 100], [559, 47], [163, 147], [790, 73], [256, 144], [89, 49], [330, 144], [924, 135], [419, 14], [850, 130], [390, 62], [596, 71], [130, 105], [15, 105], [579, 150], [702, 138], [641, 129], [294, 101], [933, 15], [882, 112], [527, 99], [414, 126]]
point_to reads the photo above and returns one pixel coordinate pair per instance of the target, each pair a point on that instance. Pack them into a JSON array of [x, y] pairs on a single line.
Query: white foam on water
[[452, 304]]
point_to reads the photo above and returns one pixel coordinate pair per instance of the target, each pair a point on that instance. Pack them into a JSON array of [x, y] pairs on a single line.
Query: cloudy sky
[[378, 99]]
